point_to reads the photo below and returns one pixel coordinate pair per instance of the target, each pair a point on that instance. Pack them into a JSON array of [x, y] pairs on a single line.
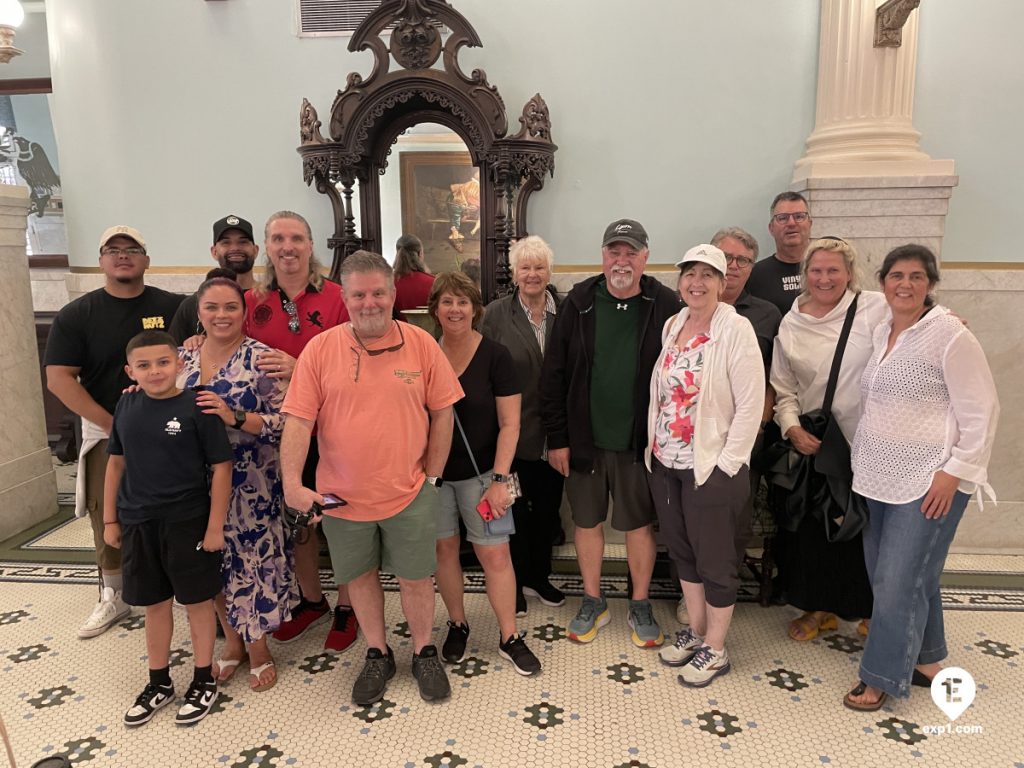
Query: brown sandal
[[863, 706]]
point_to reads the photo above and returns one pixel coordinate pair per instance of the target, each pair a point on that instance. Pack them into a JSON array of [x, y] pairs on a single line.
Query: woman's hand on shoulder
[[276, 364], [193, 343], [209, 402]]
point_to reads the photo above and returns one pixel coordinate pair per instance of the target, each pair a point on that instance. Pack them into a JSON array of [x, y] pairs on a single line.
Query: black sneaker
[[373, 680], [520, 603], [546, 592], [454, 648], [153, 698], [199, 700], [430, 674], [522, 658]]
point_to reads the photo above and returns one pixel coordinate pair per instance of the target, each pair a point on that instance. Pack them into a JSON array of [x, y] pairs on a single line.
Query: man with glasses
[[290, 306], [380, 392], [85, 369], [777, 278], [233, 248]]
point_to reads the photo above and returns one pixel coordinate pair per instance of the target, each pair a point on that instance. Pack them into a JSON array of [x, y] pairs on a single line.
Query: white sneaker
[[110, 609], [704, 667], [681, 613], [682, 650]]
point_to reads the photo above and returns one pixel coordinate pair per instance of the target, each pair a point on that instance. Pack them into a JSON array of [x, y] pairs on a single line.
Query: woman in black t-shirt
[[475, 486]]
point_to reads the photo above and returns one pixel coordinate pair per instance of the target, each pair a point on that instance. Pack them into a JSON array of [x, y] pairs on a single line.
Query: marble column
[[863, 171], [28, 486]]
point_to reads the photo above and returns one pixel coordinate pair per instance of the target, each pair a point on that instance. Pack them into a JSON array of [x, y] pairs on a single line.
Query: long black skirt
[[816, 575]]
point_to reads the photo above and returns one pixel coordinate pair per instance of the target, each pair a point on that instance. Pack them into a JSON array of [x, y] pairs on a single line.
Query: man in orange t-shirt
[[380, 394]]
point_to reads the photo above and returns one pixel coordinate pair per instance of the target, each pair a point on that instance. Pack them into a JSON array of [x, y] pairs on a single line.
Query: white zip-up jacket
[[731, 399]]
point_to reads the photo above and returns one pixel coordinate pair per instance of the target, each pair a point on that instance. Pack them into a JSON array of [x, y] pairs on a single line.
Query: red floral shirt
[[679, 377]]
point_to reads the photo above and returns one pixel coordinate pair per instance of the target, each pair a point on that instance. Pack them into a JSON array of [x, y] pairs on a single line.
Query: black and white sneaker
[[199, 700], [153, 698], [454, 649], [522, 658]]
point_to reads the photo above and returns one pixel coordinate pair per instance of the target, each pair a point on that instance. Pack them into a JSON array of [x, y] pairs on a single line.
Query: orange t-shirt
[[372, 433]]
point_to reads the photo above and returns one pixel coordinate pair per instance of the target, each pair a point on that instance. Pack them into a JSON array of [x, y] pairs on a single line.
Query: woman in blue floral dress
[[258, 586]]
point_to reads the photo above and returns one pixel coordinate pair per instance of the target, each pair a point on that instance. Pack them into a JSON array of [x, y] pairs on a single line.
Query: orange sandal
[[805, 628]]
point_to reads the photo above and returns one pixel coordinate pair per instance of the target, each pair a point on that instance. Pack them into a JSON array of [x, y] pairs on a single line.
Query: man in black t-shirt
[[233, 248], [85, 369], [777, 278]]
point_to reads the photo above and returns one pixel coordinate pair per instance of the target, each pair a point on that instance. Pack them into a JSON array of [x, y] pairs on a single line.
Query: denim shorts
[[459, 499]]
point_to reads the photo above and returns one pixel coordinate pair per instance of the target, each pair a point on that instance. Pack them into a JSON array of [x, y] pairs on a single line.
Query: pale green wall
[[686, 115], [969, 106]]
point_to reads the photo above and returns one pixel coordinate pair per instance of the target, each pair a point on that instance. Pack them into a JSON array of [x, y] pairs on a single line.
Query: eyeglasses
[[799, 217], [115, 251], [293, 314], [743, 262], [373, 352]]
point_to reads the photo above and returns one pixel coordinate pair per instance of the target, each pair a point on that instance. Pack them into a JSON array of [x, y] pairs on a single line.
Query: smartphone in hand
[[332, 502], [484, 508]]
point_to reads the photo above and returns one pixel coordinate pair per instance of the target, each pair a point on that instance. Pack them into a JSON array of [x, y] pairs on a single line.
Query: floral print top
[[679, 377]]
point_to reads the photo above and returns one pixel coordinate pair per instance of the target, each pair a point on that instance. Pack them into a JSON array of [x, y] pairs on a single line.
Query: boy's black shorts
[[160, 561]]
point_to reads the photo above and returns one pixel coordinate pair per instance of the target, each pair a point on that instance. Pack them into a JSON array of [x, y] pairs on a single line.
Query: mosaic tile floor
[[604, 704]]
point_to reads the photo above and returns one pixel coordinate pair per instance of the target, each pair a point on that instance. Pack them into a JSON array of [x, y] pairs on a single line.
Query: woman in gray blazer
[[522, 321]]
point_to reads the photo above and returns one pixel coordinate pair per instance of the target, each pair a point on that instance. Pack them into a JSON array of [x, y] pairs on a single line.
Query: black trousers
[[537, 521]]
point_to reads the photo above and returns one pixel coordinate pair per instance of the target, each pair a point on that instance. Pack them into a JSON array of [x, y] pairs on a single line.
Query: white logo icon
[[231, 220], [623, 307], [624, 228], [173, 427], [953, 691]]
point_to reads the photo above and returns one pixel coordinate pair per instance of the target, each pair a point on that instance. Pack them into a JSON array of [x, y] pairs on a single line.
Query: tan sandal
[[254, 677], [864, 706], [805, 628]]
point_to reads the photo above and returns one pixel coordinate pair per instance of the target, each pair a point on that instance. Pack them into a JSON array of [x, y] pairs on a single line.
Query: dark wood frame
[[370, 113]]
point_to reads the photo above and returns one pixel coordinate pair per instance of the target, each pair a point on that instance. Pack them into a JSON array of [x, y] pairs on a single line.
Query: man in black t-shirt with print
[[85, 364], [777, 278]]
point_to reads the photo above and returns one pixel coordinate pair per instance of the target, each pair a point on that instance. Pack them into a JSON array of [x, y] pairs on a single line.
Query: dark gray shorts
[[615, 473], [699, 526]]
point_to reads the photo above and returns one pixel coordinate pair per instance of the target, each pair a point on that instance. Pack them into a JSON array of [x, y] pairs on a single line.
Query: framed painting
[[441, 206]]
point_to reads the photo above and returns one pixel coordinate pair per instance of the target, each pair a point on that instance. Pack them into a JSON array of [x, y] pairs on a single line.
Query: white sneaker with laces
[[704, 667], [109, 610]]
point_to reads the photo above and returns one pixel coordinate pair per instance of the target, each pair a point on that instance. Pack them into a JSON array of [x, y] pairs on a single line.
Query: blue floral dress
[[257, 571]]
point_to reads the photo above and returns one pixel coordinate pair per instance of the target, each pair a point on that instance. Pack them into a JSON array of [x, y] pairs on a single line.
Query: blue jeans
[[904, 552]]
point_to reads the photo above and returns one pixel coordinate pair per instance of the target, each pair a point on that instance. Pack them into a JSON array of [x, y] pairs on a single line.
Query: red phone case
[[484, 508]]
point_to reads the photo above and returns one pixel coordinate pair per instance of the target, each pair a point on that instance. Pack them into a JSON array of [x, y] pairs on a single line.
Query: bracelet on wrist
[[111, 522]]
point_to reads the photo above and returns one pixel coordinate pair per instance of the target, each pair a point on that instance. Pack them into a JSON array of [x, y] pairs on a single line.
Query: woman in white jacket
[[707, 394]]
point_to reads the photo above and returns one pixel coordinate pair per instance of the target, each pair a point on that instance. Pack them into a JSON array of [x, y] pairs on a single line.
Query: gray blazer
[[505, 322]]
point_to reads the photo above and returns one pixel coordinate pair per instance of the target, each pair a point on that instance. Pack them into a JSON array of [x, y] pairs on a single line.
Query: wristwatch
[[499, 478], [437, 482], [239, 418]]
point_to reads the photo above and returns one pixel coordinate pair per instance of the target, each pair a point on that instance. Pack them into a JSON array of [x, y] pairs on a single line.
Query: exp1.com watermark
[[953, 690]]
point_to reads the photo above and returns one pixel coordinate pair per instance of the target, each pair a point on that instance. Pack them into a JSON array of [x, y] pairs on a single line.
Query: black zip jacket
[[565, 376]]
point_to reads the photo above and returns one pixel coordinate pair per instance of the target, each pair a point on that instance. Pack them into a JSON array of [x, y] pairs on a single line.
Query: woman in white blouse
[[821, 579], [922, 448], [707, 395]]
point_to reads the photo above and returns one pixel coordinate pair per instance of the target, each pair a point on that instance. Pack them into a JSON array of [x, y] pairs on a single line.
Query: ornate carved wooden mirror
[[370, 113]]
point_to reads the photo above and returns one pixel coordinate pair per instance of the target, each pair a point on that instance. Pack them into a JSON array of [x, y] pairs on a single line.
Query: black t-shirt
[[185, 323], [775, 281], [167, 446], [490, 374], [92, 331], [765, 318]]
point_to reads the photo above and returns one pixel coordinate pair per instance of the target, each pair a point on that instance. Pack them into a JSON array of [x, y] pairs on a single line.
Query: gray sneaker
[[373, 679], [682, 650], [430, 674], [646, 632], [704, 667], [592, 615]]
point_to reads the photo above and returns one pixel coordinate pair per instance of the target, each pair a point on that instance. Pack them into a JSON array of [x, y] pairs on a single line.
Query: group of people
[[301, 399]]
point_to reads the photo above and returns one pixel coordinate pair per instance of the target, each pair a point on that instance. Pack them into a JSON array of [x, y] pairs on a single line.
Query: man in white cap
[[85, 369]]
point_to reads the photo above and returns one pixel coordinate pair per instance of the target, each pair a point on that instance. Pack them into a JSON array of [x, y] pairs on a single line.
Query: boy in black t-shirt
[[159, 508]]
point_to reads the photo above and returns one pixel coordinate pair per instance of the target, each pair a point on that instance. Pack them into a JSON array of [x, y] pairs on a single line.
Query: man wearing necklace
[[380, 392], [594, 398], [291, 305]]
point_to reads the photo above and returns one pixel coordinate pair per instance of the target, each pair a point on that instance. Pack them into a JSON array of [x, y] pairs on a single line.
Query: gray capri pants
[[699, 526]]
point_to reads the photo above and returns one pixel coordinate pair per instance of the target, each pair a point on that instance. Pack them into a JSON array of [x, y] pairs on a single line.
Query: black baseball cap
[[625, 231], [231, 222]]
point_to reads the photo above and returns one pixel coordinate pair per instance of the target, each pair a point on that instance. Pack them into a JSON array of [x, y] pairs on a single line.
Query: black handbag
[[820, 484]]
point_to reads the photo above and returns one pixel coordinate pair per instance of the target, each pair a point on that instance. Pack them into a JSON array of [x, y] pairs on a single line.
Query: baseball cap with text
[[124, 231], [625, 231], [231, 222]]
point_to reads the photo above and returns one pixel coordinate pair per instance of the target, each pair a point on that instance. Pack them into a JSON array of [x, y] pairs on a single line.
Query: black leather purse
[[820, 484]]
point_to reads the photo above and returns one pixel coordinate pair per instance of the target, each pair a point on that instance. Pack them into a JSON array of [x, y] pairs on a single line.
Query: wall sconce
[[11, 16]]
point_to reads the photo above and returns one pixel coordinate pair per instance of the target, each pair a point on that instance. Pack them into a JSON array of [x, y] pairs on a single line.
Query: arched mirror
[[473, 205]]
